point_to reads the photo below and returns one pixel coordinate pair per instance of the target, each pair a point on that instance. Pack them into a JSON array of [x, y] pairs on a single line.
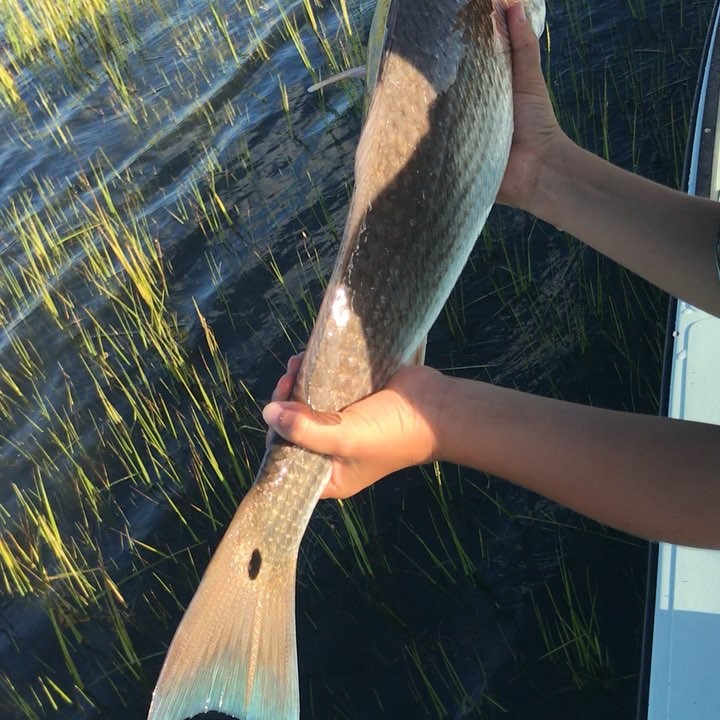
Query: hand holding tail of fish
[[387, 431]]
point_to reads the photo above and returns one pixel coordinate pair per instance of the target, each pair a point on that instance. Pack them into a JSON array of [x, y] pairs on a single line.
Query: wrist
[[550, 179], [430, 406], [446, 405]]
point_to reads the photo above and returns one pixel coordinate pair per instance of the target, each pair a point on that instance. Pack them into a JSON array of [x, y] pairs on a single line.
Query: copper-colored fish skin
[[430, 160]]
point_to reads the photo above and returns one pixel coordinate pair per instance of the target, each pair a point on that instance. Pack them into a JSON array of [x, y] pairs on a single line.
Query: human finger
[[284, 386], [525, 47], [301, 425], [287, 381]]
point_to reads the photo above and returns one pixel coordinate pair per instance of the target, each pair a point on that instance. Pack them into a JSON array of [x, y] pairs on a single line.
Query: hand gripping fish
[[430, 159]]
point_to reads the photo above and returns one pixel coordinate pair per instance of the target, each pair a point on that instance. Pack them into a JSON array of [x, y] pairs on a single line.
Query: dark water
[[463, 597]]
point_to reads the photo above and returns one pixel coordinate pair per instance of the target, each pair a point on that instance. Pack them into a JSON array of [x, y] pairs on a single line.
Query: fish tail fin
[[234, 650]]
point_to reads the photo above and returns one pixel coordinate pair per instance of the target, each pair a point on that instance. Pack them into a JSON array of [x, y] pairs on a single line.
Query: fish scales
[[429, 163], [433, 134]]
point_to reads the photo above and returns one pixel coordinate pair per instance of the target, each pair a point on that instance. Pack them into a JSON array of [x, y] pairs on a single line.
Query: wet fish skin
[[430, 160]]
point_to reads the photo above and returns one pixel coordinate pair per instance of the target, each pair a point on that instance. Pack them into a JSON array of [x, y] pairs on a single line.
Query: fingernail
[[521, 11], [271, 414]]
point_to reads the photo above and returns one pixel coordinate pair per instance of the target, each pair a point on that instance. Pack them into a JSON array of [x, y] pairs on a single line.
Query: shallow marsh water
[[170, 202]]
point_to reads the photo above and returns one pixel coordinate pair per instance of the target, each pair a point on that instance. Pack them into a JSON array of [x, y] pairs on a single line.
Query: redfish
[[430, 160]]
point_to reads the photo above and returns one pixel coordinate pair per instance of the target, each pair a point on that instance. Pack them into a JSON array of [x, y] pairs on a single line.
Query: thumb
[[525, 45], [301, 425]]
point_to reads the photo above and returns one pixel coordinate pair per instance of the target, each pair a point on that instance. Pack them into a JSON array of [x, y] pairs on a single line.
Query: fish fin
[[382, 24], [418, 357], [234, 650], [501, 32], [351, 74], [535, 13]]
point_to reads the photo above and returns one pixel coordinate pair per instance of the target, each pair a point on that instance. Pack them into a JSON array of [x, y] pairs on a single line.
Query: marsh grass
[[36, 31], [149, 399], [147, 405], [571, 631], [83, 262], [440, 685]]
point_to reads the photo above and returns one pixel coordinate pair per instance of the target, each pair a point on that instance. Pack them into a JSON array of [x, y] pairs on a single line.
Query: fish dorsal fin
[[383, 19]]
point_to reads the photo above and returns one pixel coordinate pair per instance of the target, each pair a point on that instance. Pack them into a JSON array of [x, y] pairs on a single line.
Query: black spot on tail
[[254, 564]]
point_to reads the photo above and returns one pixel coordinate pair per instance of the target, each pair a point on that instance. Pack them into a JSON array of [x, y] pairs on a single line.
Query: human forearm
[[661, 234], [649, 476], [646, 475]]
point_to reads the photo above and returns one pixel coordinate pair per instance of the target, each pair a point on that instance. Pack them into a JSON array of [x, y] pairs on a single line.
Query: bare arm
[[650, 476], [646, 475], [663, 235]]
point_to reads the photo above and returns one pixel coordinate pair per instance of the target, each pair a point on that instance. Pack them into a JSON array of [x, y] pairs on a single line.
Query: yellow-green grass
[[84, 262], [571, 631]]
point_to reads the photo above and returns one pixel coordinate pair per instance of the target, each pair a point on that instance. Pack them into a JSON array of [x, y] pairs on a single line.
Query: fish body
[[431, 156]]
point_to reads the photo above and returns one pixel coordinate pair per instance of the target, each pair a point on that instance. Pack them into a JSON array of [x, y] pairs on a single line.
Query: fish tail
[[234, 651]]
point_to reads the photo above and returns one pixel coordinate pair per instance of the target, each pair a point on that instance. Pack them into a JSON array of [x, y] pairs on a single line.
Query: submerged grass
[[145, 412], [149, 398], [83, 261], [571, 632]]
